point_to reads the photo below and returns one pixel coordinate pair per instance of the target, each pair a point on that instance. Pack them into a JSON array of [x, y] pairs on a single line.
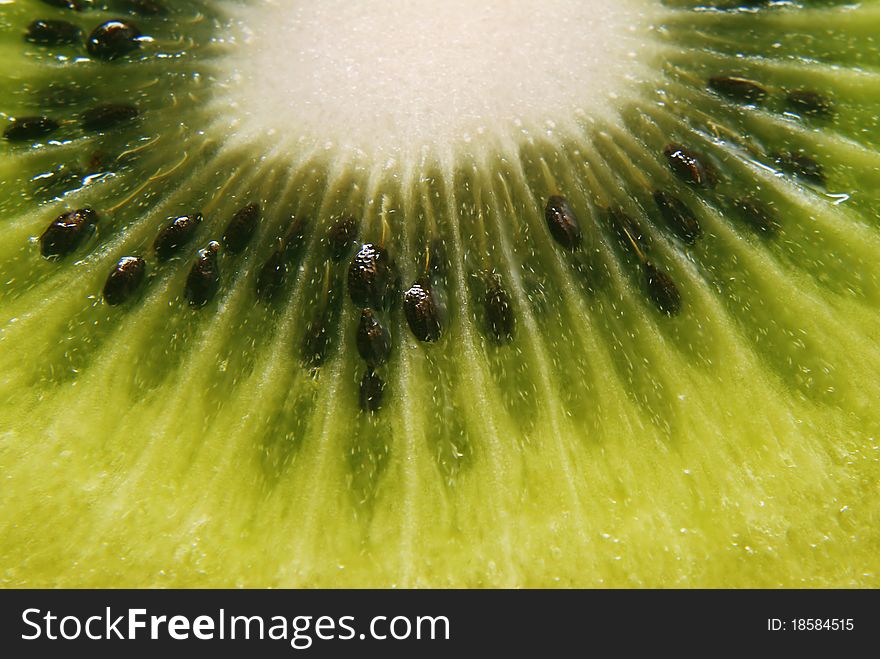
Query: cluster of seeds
[[697, 171], [805, 103], [108, 41], [96, 119], [801, 101], [373, 283], [564, 226], [130, 272], [373, 280]]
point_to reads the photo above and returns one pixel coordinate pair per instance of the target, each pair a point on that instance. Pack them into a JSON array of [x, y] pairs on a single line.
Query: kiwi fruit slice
[[368, 294]]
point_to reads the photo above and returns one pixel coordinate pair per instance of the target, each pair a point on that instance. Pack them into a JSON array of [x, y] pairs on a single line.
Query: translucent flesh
[[607, 445]]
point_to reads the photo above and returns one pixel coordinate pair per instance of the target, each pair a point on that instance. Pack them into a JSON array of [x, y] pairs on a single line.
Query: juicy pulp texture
[[734, 444]]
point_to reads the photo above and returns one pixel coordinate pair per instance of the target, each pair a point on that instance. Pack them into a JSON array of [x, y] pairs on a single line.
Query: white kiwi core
[[387, 78]]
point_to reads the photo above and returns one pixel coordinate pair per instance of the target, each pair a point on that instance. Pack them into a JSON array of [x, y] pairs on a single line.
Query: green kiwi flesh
[[641, 353]]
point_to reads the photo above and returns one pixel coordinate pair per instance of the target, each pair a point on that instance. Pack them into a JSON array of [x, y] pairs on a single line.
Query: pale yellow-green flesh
[[735, 445]]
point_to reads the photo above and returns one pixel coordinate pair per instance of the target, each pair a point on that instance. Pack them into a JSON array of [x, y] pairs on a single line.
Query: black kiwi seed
[[76, 5], [422, 314], [272, 275], [800, 165], [341, 237], [371, 277], [373, 339], [29, 128], [499, 312], [689, 166], [204, 277], [241, 228], [175, 235], [626, 229], [738, 89], [662, 290], [53, 33], [113, 39], [678, 217], [757, 215], [371, 391], [125, 278], [562, 222], [814, 104], [67, 232], [109, 115]]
